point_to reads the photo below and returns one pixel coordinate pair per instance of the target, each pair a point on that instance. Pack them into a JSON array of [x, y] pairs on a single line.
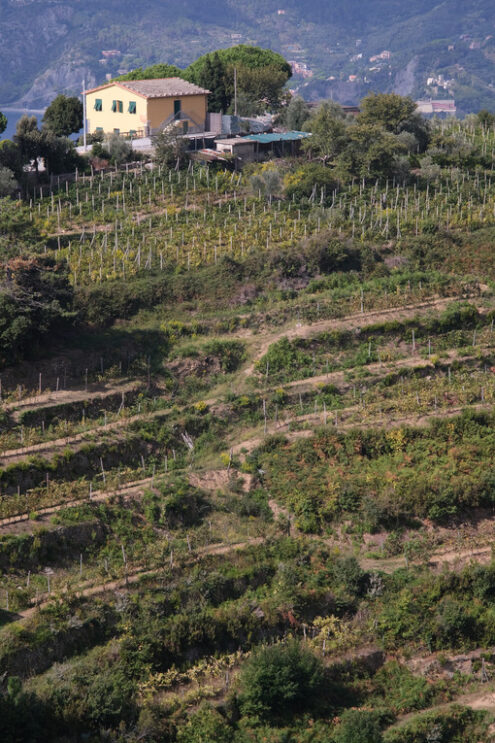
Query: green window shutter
[[114, 106], [121, 106], [98, 104], [132, 107]]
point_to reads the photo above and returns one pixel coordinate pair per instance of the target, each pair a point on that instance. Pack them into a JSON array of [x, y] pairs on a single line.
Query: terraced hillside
[[258, 446]]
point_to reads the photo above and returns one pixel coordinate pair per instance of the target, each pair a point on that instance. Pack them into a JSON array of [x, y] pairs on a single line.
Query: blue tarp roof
[[280, 137]]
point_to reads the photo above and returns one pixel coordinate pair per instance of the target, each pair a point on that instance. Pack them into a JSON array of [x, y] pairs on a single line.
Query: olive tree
[[120, 150], [8, 183]]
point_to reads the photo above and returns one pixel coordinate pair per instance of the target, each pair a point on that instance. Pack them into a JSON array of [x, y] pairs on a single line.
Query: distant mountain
[[341, 49]]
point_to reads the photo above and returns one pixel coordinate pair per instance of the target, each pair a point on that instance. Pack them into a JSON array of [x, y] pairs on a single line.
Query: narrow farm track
[[134, 488], [356, 320], [436, 560], [337, 377], [301, 331], [452, 558], [377, 369], [318, 419], [86, 591], [482, 699], [53, 398], [77, 440], [206, 479], [245, 446]]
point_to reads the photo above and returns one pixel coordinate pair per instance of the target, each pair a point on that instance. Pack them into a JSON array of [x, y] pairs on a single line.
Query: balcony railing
[[194, 127]]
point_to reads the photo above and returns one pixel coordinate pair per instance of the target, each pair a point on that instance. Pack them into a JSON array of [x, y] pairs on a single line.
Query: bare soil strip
[[53, 398], [357, 320], [137, 575]]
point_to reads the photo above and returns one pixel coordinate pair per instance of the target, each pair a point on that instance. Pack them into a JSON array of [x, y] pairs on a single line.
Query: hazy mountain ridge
[[48, 47]]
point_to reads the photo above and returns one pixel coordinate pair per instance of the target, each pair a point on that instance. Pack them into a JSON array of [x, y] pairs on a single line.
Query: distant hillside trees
[[3, 122], [64, 116]]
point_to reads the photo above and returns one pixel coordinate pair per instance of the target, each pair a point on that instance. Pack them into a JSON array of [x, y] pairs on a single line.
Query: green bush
[[281, 681], [454, 724], [178, 505], [358, 726], [205, 726]]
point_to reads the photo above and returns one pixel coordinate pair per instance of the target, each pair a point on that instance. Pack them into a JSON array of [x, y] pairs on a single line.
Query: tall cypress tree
[[213, 78]]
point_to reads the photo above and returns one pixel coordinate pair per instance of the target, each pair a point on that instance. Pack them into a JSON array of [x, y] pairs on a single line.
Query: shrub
[[205, 726], [280, 681], [309, 181], [358, 726], [179, 505]]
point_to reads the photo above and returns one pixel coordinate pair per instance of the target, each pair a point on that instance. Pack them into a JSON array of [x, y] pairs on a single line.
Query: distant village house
[[429, 108]]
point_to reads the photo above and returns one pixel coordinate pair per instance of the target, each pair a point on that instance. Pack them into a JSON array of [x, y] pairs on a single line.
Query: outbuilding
[[277, 144], [240, 147]]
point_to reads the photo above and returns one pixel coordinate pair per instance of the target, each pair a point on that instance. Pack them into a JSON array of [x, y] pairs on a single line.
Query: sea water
[[14, 114]]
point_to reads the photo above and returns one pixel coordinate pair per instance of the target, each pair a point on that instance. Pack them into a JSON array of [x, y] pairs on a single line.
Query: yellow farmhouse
[[143, 107]]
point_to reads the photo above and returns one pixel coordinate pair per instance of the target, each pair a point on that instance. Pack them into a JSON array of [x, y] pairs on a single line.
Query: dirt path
[[247, 446], [318, 418], [387, 565], [51, 447], [382, 367], [206, 479], [53, 398], [356, 320], [451, 557], [481, 699], [93, 590]]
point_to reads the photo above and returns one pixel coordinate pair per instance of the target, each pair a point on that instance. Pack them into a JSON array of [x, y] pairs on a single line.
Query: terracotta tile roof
[[166, 87]]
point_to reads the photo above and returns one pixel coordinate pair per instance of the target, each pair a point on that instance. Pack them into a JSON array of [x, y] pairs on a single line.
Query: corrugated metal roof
[[281, 137], [234, 141]]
